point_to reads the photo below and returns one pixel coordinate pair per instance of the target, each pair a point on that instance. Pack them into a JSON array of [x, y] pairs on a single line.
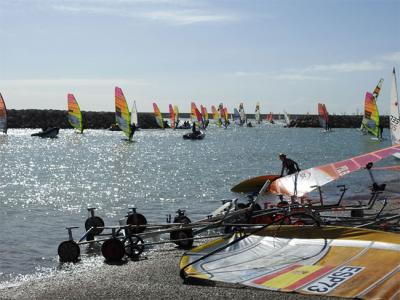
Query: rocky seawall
[[34, 118]]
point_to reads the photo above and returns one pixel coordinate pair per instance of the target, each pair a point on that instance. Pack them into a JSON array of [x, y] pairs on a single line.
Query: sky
[[286, 54]]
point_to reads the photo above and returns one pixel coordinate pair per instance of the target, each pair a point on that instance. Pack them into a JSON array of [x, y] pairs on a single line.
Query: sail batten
[[74, 113]]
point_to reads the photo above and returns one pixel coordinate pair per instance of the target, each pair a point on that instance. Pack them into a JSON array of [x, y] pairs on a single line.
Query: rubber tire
[[113, 250], [136, 219], [94, 222], [183, 234], [68, 251]]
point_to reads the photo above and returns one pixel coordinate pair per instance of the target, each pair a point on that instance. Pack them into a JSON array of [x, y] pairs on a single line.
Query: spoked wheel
[[134, 246], [113, 250], [94, 221], [68, 251], [184, 237], [136, 219]]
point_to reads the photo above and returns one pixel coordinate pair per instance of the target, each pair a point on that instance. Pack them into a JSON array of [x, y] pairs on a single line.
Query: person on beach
[[288, 165], [380, 131]]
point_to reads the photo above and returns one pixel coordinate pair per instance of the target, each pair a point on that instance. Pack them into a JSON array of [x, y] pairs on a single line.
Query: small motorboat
[[194, 136], [50, 132], [114, 127]]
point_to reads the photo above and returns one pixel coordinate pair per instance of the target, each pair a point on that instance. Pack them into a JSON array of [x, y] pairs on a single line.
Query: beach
[[154, 276]]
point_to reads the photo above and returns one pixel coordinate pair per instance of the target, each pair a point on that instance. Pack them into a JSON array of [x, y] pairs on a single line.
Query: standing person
[[380, 131], [288, 165]]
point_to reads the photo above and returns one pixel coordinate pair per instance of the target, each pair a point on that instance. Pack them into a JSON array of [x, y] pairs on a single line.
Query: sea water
[[47, 184]]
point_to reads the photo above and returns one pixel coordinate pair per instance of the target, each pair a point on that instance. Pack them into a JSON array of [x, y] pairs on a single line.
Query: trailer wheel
[[134, 246], [138, 220], [113, 250], [94, 222], [68, 251], [186, 237]]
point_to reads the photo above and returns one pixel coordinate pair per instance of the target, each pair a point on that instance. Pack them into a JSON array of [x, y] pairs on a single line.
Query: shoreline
[[36, 118], [154, 276]]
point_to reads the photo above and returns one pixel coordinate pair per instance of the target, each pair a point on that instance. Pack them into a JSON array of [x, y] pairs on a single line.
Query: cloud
[[345, 67], [178, 12], [49, 82], [295, 76], [392, 57]]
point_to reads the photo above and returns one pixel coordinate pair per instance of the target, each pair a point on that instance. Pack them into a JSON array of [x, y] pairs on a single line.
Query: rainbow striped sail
[[204, 112], [3, 115], [122, 114], [172, 116], [195, 114], [158, 116], [74, 113], [370, 121]]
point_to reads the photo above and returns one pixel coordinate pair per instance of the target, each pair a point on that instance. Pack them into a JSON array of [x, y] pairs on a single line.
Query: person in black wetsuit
[[194, 131], [133, 129], [289, 165]]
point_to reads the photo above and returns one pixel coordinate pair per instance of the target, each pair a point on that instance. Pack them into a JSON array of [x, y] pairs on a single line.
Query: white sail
[[287, 119], [134, 115], [394, 112]]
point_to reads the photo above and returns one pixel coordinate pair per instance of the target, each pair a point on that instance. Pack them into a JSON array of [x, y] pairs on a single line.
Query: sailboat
[[394, 113], [172, 116], [74, 113], [323, 116], [3, 115], [236, 116], [287, 119], [370, 122], [242, 114], [257, 113], [176, 114], [204, 112], [122, 114], [270, 118], [134, 115], [216, 116], [158, 116]]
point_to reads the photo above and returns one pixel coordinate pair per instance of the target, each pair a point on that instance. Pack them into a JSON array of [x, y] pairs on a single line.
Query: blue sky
[[289, 55]]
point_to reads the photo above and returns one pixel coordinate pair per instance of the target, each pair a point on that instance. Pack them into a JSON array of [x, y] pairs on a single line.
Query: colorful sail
[[3, 115], [370, 122], [196, 115], [270, 118], [158, 116], [172, 116], [323, 116], [204, 112], [176, 112], [377, 89], [74, 113], [326, 261], [394, 112], [303, 182], [134, 114], [226, 115], [257, 114], [122, 114], [216, 116]]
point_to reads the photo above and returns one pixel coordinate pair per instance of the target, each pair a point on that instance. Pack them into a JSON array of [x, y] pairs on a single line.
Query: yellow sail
[[122, 114], [74, 113]]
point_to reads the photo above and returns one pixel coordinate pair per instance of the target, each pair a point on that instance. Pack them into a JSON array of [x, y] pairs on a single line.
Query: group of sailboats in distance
[[127, 120]]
